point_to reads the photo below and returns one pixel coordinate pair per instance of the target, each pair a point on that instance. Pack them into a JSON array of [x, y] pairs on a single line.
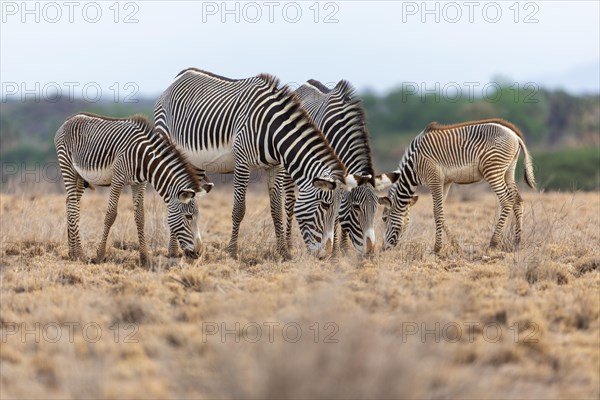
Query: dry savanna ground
[[405, 324]]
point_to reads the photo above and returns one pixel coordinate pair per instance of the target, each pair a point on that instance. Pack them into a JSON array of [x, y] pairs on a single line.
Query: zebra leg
[[447, 186], [509, 177], [75, 188], [289, 188], [506, 201], [344, 241], [111, 215], [241, 177], [518, 211], [437, 193], [138, 192], [451, 237], [275, 195], [173, 246], [336, 242]]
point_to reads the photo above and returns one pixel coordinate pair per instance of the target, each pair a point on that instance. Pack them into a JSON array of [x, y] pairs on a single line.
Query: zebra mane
[[342, 86], [272, 81], [346, 88], [318, 85], [203, 72], [434, 126], [352, 104], [138, 119]]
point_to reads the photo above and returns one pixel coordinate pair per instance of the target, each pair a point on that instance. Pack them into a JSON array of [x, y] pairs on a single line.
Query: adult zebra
[[233, 125], [463, 153], [104, 151], [339, 114]]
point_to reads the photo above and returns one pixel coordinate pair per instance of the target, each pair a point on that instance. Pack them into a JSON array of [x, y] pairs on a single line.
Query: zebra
[[462, 153], [229, 125], [342, 119], [104, 151]]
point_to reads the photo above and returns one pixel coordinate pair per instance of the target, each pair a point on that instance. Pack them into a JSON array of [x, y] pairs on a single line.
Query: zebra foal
[[463, 153], [104, 151]]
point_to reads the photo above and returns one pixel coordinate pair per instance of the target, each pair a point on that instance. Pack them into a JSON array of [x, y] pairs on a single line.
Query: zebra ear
[[324, 183], [385, 201], [186, 195], [413, 200], [205, 188], [386, 180]]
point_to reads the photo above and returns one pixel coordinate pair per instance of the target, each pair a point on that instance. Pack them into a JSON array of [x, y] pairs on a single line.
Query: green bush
[[566, 169]]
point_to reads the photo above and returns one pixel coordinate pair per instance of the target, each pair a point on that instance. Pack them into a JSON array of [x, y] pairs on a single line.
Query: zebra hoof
[[516, 244], [76, 256], [456, 248], [232, 251], [145, 261], [284, 254], [98, 260], [325, 256]]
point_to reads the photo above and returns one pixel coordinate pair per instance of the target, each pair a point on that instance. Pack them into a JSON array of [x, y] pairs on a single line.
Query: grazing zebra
[[342, 119], [103, 151], [461, 153], [233, 125]]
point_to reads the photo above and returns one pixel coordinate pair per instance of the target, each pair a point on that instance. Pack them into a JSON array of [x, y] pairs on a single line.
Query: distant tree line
[[562, 130]]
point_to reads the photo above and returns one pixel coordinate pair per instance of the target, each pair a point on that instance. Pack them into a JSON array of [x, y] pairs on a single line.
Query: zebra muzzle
[[197, 252], [326, 250], [328, 246], [370, 246]]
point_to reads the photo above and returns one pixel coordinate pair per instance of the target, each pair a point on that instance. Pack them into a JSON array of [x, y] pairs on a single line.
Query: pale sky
[[373, 44]]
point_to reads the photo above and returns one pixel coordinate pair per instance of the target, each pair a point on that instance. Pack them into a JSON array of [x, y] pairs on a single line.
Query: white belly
[[99, 177], [466, 174], [216, 161]]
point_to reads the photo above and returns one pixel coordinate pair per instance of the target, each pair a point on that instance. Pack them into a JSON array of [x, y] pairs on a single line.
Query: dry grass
[[543, 300]]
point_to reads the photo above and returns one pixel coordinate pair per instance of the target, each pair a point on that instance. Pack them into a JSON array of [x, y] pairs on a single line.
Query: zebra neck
[[161, 167], [407, 183], [352, 148], [408, 165], [304, 154]]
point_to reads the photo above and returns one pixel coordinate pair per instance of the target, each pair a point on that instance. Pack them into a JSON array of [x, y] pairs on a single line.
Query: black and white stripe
[[461, 153], [339, 114], [102, 151], [233, 125]]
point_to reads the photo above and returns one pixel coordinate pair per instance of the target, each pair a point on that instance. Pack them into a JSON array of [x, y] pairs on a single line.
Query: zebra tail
[[528, 164]]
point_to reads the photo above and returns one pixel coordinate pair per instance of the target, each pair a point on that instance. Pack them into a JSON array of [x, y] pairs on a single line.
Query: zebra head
[[396, 216], [317, 209], [357, 217], [184, 219], [316, 213]]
